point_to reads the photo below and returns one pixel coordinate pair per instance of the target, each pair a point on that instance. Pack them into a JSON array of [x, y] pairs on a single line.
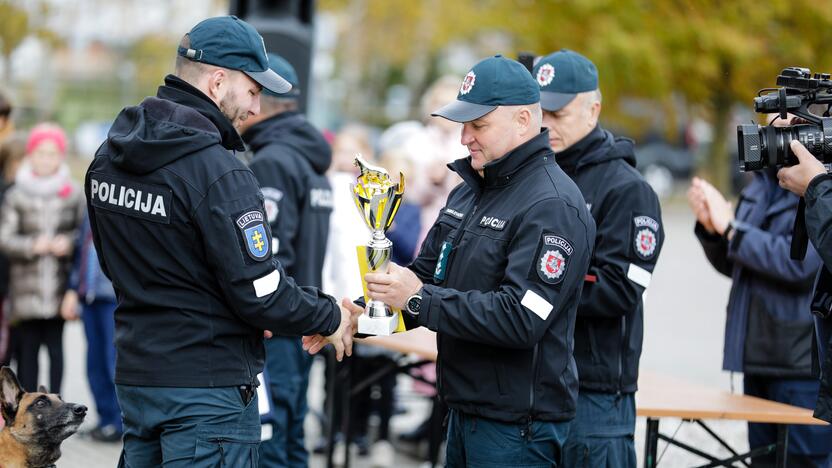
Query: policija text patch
[[124, 196]]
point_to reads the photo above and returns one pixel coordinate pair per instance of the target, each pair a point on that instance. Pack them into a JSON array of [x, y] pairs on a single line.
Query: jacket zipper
[[459, 231], [528, 431], [621, 355]]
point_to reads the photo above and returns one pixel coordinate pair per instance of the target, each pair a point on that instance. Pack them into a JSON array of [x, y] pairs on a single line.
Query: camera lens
[[761, 147]]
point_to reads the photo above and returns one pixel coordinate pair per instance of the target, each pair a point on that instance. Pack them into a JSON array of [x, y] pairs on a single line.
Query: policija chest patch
[[255, 237], [552, 258], [646, 237]]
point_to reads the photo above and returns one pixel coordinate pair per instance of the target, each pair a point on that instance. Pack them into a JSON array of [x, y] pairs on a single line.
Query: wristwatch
[[413, 305]]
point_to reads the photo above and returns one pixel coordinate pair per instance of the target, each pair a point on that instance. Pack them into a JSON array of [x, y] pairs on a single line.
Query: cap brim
[[271, 81], [461, 111], [550, 101]]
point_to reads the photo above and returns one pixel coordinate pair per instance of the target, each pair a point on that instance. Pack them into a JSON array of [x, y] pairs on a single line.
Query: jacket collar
[[505, 170], [181, 92]]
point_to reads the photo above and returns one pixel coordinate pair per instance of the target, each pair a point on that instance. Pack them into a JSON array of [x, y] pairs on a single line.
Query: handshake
[[393, 287], [341, 339]]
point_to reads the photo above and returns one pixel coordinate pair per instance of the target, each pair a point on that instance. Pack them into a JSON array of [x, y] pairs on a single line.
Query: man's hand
[[719, 209], [342, 338], [69, 305], [795, 179], [699, 204], [394, 287]]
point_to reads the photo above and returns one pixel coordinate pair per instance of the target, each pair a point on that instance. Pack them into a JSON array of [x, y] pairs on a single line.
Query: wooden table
[[662, 397]]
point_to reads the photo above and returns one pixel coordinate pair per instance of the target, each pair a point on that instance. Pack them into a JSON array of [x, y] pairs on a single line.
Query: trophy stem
[[378, 259]]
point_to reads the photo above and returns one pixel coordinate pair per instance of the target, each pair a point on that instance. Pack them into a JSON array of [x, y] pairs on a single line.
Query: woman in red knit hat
[[39, 219]]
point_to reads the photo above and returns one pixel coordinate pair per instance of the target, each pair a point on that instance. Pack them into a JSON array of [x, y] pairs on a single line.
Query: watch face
[[413, 304]]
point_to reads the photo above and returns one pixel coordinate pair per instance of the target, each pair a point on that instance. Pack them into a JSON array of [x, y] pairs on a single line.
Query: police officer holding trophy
[[610, 321], [183, 234], [499, 278]]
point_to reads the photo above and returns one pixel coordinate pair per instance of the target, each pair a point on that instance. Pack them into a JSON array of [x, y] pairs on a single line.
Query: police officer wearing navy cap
[[609, 326], [498, 278], [183, 233], [290, 161]]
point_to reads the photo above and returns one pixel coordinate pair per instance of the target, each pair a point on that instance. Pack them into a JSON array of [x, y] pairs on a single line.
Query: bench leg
[[782, 445], [651, 443]]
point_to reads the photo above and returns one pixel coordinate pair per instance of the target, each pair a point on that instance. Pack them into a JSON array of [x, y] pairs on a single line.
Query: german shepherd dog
[[36, 424]]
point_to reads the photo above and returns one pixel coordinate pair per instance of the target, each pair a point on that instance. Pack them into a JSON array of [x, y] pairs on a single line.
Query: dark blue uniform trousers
[[188, 427], [288, 370], [99, 327], [808, 446], [477, 442], [601, 435]]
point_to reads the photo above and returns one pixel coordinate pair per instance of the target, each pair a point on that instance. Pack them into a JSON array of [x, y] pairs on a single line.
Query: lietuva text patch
[[150, 202], [254, 234]]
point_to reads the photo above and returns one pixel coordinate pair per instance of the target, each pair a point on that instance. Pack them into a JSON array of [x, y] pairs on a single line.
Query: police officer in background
[[810, 180], [498, 278], [629, 236], [182, 231], [290, 160]]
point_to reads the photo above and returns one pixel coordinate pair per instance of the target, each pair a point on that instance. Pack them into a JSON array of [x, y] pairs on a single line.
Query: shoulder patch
[[646, 237], [552, 258], [271, 200], [251, 225]]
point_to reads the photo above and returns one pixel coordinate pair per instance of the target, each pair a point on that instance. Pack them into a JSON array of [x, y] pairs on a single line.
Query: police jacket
[[768, 329], [290, 160], [503, 267], [180, 228], [818, 198], [629, 237]]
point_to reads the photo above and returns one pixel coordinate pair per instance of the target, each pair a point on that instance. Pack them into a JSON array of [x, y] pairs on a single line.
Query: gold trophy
[[378, 200]]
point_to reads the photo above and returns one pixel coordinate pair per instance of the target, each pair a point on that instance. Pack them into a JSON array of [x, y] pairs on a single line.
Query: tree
[[708, 56], [14, 28]]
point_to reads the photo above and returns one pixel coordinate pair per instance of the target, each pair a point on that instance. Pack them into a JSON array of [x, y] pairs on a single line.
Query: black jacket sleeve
[[259, 291], [629, 238], [517, 313], [819, 216], [282, 187], [716, 249]]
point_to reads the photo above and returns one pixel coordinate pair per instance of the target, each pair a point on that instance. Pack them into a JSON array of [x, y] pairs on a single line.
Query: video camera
[[768, 146]]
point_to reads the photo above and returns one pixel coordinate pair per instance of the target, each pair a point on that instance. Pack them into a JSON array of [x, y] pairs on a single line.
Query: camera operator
[[768, 329], [810, 180]]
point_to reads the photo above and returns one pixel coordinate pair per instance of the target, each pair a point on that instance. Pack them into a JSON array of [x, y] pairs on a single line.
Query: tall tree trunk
[[717, 166]]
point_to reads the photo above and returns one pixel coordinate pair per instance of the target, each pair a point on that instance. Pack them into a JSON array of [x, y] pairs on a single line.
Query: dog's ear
[[42, 389], [10, 395]]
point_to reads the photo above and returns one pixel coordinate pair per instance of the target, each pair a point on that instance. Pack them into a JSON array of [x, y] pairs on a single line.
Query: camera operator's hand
[[719, 209], [699, 204], [796, 178]]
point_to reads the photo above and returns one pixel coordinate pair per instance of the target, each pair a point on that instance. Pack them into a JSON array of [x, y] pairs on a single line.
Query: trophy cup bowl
[[377, 199]]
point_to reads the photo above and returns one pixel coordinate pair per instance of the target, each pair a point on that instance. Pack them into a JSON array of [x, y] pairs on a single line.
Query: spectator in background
[[12, 150], [38, 223], [769, 327], [6, 124], [89, 286]]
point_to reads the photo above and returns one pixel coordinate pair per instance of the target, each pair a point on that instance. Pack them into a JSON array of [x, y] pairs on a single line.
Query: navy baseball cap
[[282, 67], [561, 76], [229, 42], [493, 82]]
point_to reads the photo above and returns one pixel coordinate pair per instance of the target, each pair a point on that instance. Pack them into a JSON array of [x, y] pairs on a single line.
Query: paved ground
[[683, 337]]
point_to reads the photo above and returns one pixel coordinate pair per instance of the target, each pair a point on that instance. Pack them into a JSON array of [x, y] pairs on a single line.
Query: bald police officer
[[499, 276], [182, 231], [608, 329]]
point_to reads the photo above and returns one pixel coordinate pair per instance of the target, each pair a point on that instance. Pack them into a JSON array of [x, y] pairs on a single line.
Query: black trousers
[[30, 335]]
